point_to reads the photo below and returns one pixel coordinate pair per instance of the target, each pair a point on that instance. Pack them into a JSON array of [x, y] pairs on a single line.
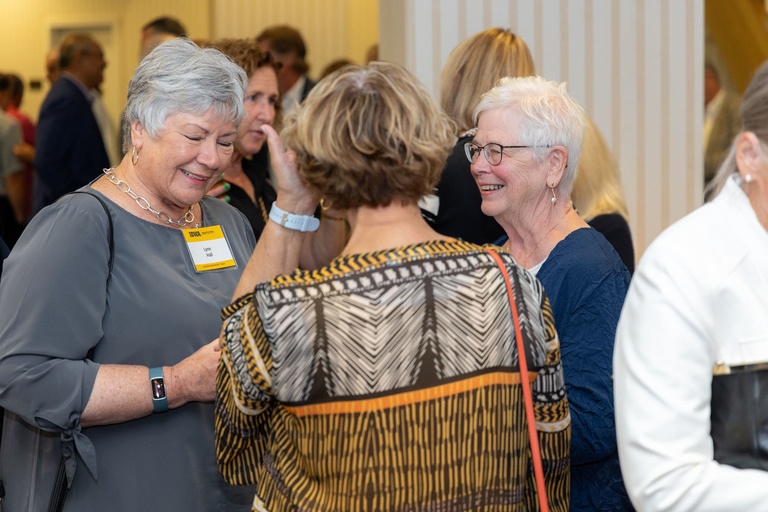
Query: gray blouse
[[56, 305]]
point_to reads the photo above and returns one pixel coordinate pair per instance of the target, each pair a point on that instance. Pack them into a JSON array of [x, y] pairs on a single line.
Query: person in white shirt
[[698, 305]]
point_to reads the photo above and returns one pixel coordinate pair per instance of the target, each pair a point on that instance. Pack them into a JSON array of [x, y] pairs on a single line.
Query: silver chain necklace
[[123, 186]]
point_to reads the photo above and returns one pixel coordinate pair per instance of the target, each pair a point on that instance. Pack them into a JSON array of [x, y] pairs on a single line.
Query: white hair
[[547, 116]]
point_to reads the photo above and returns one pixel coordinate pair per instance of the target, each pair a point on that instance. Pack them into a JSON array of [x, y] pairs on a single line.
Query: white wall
[[635, 66]]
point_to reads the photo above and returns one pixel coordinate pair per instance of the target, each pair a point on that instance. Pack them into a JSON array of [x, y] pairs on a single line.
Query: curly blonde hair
[[369, 137]]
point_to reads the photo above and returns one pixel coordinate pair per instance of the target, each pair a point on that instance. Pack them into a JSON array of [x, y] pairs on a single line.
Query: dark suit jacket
[[70, 151], [308, 85]]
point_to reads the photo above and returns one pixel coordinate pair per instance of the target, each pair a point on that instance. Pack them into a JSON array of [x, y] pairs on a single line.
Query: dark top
[[257, 170], [586, 283], [615, 229], [4, 251], [309, 84], [454, 209], [70, 151], [240, 199]]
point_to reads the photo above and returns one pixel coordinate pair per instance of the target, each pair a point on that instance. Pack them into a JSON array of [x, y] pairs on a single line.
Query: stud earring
[[748, 178]]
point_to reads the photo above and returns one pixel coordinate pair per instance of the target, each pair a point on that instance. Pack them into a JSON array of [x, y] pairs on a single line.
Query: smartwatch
[[293, 221], [157, 383]]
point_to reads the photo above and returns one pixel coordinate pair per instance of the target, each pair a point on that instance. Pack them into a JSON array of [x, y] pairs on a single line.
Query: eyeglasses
[[492, 151]]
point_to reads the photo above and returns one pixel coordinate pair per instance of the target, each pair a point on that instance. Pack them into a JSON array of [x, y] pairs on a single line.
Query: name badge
[[209, 248]]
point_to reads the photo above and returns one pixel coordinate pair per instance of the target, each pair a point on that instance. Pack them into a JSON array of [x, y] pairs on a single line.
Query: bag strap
[[60, 484], [538, 469], [60, 489], [110, 234]]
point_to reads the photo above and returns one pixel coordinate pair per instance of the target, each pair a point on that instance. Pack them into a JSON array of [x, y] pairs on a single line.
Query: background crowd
[[420, 301]]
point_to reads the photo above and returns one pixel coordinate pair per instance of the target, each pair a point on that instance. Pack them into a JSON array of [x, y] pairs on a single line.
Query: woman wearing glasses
[[473, 67], [524, 159]]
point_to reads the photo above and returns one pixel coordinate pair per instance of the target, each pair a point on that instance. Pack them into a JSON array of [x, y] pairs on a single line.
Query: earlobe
[[137, 134], [749, 154], [558, 161]]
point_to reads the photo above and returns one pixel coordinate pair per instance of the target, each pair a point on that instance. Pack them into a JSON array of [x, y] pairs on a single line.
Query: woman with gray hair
[[692, 343], [524, 159], [109, 309]]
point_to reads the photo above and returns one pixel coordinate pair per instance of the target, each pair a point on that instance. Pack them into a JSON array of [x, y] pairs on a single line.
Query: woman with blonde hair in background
[[597, 194], [473, 67]]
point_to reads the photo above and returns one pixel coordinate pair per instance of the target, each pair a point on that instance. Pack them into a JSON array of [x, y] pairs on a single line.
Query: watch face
[[158, 388]]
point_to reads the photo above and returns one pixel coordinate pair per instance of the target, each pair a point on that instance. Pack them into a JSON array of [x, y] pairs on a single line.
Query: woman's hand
[[293, 196], [121, 392], [220, 191], [194, 378]]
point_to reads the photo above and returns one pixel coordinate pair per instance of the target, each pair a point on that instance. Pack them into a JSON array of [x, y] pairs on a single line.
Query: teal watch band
[[157, 383]]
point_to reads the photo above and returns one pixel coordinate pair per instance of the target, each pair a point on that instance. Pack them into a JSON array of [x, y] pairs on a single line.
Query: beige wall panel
[[25, 38], [636, 68], [332, 29]]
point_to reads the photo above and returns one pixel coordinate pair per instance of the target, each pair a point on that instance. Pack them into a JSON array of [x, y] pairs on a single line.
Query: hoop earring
[[134, 155], [323, 206], [554, 198]]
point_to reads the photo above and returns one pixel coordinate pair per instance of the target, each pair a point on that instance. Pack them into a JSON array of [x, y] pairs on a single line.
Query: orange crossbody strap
[[538, 470]]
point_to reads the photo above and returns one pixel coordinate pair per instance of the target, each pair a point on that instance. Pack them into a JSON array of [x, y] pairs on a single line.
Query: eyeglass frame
[[501, 152]]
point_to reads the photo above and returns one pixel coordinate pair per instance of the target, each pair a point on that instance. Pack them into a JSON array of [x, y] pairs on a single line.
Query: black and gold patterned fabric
[[390, 381]]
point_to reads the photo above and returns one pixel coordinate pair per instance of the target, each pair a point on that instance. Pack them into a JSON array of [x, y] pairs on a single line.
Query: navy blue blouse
[[586, 283]]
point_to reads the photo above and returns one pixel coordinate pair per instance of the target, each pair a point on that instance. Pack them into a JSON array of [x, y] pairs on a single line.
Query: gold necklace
[[525, 262], [188, 218]]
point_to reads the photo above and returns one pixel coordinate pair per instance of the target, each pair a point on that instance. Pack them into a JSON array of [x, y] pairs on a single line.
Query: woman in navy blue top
[[524, 159]]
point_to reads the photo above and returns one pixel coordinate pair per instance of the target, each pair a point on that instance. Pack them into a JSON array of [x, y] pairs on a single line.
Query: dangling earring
[[554, 198], [134, 155], [748, 178]]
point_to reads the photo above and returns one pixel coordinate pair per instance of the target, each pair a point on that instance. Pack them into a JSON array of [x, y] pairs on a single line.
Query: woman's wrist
[[297, 203]]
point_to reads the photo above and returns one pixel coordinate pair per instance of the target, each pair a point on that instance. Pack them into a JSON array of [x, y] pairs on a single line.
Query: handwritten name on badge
[[208, 248]]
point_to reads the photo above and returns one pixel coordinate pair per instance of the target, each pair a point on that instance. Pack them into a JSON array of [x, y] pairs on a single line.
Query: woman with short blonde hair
[[375, 382]]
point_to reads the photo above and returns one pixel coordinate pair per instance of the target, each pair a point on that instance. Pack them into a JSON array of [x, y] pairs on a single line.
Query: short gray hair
[[178, 76], [547, 114]]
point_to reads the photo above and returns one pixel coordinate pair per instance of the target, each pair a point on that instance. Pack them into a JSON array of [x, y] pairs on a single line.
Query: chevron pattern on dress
[[474, 323]]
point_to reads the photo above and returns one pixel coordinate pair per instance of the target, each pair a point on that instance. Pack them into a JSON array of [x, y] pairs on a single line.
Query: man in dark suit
[[287, 48], [70, 150]]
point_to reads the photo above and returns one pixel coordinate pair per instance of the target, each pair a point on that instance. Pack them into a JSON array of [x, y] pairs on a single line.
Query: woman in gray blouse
[[108, 349]]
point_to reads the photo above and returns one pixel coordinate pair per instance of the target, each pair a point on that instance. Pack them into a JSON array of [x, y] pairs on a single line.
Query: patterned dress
[[390, 381]]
